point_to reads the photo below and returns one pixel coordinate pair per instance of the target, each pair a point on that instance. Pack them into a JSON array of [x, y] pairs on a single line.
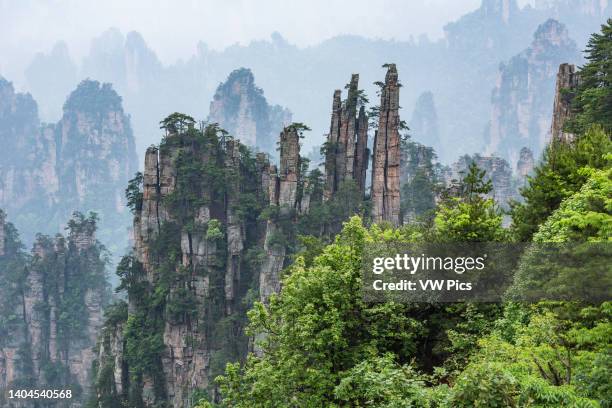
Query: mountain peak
[[553, 33]]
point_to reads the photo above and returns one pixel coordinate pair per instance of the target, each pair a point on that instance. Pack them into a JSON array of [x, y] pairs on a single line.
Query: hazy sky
[[173, 27]]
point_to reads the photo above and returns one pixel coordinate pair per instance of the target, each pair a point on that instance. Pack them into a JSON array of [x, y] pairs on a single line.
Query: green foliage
[[558, 176], [586, 215], [214, 232], [470, 217], [177, 122], [326, 218], [419, 181], [13, 274], [579, 270], [593, 100], [551, 361], [94, 98], [381, 382], [133, 193], [68, 270], [298, 127], [318, 329]]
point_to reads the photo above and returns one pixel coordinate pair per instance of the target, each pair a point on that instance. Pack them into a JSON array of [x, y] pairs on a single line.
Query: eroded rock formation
[[203, 199], [240, 107], [215, 225], [283, 196], [521, 108], [386, 154], [567, 81], [346, 151], [81, 163], [52, 304]]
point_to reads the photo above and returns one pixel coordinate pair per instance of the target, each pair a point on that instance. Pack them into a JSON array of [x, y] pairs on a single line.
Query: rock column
[[346, 156], [567, 82], [386, 158]]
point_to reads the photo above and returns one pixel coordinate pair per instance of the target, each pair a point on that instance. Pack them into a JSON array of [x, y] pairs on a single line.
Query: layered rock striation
[[385, 192], [214, 226], [346, 151], [568, 80], [51, 309], [221, 213], [83, 162], [521, 109]]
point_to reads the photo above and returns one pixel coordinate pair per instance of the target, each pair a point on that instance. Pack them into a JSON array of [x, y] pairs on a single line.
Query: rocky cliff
[[568, 80], [241, 108], [521, 108], [346, 152], [210, 227], [214, 226], [82, 162], [386, 154], [51, 310]]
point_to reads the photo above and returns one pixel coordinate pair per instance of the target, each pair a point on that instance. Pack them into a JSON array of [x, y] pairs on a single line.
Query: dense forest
[[324, 346], [244, 284]]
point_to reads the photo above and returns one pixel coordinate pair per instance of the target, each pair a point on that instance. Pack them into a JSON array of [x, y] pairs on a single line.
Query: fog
[[173, 28]]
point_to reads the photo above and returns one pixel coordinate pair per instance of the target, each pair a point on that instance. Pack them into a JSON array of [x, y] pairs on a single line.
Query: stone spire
[[282, 192], [332, 146], [346, 157], [289, 168], [386, 157], [567, 81], [362, 153], [234, 227]]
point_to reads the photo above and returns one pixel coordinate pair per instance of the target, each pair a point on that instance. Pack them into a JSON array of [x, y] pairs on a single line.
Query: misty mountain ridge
[[459, 70]]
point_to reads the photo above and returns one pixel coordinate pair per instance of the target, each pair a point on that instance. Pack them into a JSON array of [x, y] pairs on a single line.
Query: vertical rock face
[[240, 107], [53, 305], [568, 80], [28, 174], [346, 151], [200, 245], [96, 157], [283, 195], [82, 162], [386, 156], [521, 107], [525, 163], [424, 122], [289, 170]]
